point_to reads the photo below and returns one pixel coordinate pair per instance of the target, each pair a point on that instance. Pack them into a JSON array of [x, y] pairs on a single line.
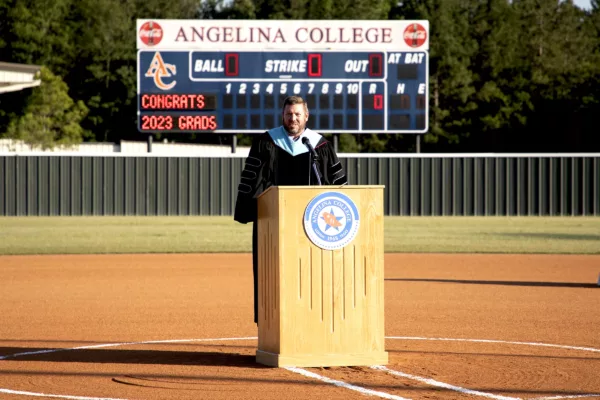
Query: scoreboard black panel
[[242, 91]]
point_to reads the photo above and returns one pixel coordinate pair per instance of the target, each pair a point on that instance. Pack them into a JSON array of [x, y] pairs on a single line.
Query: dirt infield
[[180, 327]]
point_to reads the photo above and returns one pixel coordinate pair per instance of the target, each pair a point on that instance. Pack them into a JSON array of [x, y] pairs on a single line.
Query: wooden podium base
[[321, 360], [319, 307]]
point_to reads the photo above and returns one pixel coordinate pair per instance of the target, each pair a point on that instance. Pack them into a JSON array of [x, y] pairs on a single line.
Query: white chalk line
[[560, 346], [575, 396], [484, 394], [97, 346], [306, 373], [296, 370], [56, 396], [344, 385], [433, 382]]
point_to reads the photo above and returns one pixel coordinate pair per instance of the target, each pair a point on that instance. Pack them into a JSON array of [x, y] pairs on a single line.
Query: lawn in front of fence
[[104, 235]]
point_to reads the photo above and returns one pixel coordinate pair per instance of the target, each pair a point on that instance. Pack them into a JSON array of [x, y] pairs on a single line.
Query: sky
[[585, 4]]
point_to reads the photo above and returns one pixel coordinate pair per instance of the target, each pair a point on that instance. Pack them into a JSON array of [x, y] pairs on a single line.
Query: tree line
[[504, 75]]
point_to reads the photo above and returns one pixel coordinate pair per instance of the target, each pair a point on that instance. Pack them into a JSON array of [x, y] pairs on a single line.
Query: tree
[[5, 6], [348, 144], [562, 67], [217, 9], [38, 32], [452, 50], [104, 75], [501, 75], [499, 70], [307, 9], [51, 117]]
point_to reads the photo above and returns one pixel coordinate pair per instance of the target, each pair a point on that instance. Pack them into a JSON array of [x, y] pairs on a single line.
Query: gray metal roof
[[15, 76]]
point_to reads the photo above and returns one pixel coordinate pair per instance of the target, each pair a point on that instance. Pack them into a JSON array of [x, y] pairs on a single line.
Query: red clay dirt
[[458, 326]]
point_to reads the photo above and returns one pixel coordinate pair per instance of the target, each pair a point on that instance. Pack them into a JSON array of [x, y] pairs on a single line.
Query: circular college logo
[[331, 220], [415, 35], [151, 33]]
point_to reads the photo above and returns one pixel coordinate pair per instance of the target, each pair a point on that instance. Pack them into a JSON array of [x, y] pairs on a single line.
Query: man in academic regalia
[[283, 156]]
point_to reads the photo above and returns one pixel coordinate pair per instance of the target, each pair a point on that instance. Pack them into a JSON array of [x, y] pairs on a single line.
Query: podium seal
[[331, 220]]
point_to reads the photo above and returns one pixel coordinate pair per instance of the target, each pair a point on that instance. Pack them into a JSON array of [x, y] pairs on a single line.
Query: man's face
[[294, 119]]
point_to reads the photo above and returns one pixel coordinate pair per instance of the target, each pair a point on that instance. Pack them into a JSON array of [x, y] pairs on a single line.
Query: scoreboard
[[352, 89]]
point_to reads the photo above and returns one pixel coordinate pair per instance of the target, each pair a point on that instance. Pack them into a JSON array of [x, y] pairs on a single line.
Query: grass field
[[95, 235]]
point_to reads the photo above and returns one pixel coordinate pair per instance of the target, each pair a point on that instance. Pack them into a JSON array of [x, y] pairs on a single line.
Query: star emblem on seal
[[331, 220]]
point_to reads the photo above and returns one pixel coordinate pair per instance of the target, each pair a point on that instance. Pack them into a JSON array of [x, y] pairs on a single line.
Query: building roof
[[15, 77]]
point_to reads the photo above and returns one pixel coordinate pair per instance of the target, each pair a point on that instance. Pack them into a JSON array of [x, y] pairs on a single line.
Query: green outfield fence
[[415, 184]]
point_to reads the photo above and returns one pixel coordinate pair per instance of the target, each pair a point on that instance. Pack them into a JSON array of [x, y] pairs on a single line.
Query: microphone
[[306, 142], [313, 153]]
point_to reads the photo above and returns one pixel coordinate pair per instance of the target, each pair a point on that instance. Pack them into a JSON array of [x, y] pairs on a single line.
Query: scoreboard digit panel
[[242, 91]]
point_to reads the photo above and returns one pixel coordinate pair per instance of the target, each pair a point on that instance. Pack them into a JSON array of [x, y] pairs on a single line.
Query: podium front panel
[[329, 308]]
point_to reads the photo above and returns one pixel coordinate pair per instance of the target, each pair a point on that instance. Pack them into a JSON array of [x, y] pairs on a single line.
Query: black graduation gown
[[269, 165]]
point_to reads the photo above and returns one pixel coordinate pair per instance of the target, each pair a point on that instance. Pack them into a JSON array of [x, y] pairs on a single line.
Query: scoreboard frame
[[185, 100]]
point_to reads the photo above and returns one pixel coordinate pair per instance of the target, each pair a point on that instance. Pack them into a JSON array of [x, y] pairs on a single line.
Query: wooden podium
[[318, 307]]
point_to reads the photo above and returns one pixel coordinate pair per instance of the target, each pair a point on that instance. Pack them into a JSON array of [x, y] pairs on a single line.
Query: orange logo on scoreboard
[[159, 70]]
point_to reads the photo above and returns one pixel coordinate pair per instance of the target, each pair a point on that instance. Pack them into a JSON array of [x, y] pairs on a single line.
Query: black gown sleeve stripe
[[255, 178], [243, 188], [249, 175], [340, 180], [336, 168], [338, 177], [253, 162], [250, 183]]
